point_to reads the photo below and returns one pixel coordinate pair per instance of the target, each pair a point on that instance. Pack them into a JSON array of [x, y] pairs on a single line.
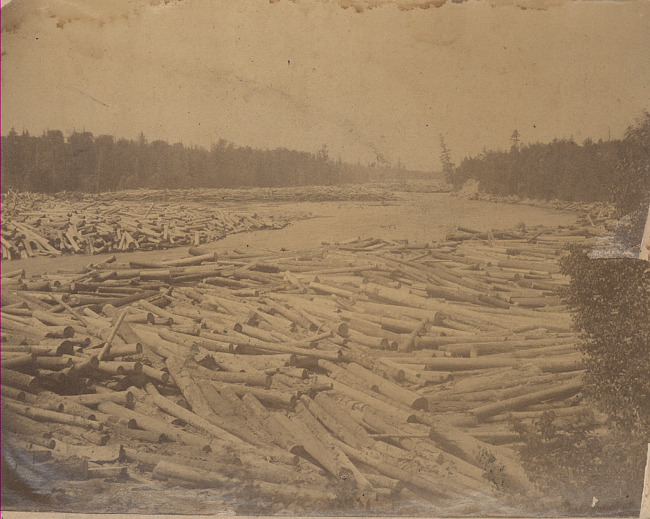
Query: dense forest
[[83, 162], [562, 169]]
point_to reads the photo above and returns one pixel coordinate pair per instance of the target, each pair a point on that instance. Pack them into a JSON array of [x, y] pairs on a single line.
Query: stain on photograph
[[326, 258]]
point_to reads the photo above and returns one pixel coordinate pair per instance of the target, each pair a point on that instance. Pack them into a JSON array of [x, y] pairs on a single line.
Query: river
[[420, 217]]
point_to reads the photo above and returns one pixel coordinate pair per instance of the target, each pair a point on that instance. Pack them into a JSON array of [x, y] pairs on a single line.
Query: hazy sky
[[300, 74]]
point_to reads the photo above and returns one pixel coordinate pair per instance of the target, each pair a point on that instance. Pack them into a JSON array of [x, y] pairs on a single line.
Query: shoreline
[[603, 208]]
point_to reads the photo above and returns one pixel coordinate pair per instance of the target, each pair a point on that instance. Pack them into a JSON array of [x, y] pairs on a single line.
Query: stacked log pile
[[37, 224], [59, 227], [371, 192], [367, 374], [135, 201]]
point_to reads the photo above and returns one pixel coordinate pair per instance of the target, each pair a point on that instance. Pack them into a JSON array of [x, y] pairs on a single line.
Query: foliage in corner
[[610, 302], [591, 467], [589, 473]]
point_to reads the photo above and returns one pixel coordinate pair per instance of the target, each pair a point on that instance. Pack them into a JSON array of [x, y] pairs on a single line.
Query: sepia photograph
[[331, 258]]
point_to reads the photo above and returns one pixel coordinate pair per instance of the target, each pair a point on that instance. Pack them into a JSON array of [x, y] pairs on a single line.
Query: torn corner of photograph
[[645, 242], [645, 500]]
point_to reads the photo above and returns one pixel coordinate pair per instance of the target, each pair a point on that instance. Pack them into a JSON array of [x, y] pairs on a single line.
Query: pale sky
[[301, 74]]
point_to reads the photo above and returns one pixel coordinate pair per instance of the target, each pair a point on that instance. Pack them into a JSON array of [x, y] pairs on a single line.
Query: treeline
[[84, 162], [562, 169]]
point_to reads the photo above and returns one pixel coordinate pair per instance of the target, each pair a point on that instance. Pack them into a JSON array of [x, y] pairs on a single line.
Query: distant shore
[[605, 209]]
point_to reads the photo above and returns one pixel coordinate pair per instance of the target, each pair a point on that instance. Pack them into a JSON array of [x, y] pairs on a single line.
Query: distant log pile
[[598, 211], [367, 374], [372, 192], [36, 224], [84, 227]]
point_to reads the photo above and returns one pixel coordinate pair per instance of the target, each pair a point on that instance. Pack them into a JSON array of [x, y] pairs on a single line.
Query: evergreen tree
[[448, 166]]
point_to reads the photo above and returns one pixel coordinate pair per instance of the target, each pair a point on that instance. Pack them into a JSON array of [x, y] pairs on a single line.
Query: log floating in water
[[233, 351]]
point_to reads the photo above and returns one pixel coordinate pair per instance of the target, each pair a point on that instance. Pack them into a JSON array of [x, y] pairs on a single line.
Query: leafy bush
[[590, 473], [572, 458], [610, 300]]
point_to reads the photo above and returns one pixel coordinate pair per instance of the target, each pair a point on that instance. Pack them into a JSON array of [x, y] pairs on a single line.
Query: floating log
[[470, 449], [388, 388], [521, 402], [166, 469], [44, 415], [232, 355]]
